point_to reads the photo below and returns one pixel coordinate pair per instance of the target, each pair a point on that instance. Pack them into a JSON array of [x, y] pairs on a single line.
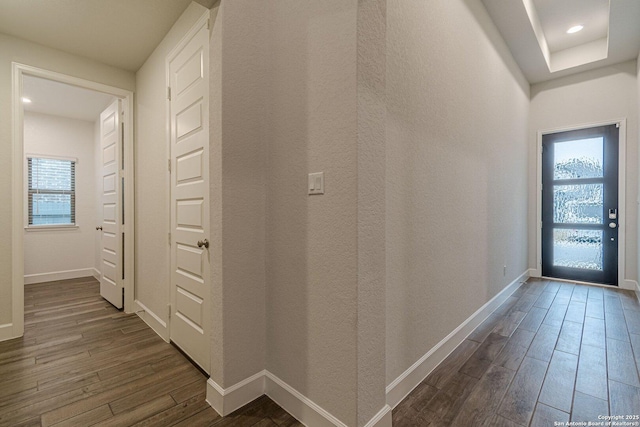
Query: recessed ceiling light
[[26, 100], [574, 29]]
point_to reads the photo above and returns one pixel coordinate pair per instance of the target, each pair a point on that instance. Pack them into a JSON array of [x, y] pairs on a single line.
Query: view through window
[[52, 191]]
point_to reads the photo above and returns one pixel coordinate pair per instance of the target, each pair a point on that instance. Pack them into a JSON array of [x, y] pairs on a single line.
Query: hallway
[[81, 362], [552, 352]]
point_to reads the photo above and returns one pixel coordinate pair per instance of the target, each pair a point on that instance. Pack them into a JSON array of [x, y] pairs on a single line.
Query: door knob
[[204, 243], [99, 228]]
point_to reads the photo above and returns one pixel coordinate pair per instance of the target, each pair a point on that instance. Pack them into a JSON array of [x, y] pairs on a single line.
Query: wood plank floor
[[81, 362], [553, 352]]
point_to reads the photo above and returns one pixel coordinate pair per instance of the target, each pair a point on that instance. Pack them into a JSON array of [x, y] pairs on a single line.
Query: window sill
[[51, 227]]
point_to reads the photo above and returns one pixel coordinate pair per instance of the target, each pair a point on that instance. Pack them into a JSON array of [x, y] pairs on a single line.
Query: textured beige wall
[[312, 240], [456, 171], [239, 190], [607, 93], [13, 49], [152, 178], [215, 191], [371, 285], [285, 94]]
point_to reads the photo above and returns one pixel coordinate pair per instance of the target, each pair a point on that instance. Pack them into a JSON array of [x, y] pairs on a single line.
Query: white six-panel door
[[190, 259], [111, 281]]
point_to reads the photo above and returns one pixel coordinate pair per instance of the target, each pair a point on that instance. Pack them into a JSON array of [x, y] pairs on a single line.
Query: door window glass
[[577, 248], [578, 204], [582, 158]]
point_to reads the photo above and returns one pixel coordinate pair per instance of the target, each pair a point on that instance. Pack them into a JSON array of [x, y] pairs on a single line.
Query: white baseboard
[[412, 377], [381, 419], [58, 275], [631, 285], [637, 291], [534, 272], [302, 408], [6, 332], [152, 319], [225, 401], [97, 274]]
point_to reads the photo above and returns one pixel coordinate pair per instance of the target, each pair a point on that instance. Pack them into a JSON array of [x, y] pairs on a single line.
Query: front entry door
[[111, 187], [190, 255], [580, 205]]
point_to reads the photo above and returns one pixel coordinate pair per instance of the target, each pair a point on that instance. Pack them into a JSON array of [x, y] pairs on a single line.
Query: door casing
[[623, 283], [17, 259]]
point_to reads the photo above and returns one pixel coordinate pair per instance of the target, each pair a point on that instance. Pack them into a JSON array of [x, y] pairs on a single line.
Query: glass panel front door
[[580, 205]]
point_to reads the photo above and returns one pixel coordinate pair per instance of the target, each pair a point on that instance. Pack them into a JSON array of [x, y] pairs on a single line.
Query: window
[[51, 192]]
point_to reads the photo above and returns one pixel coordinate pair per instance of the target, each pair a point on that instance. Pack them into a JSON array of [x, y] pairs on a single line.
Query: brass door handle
[[99, 228], [204, 243]]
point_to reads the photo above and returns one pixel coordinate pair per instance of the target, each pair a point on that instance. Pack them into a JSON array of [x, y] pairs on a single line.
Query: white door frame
[[17, 235], [623, 283]]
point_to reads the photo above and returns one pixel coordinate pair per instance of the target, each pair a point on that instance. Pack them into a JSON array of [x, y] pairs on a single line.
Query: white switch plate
[[316, 183]]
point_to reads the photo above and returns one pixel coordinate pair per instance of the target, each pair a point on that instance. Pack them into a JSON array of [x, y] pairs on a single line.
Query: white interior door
[[111, 246], [190, 260]]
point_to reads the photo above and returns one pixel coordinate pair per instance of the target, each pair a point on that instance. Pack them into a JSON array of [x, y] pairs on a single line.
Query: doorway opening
[[72, 185], [581, 205]]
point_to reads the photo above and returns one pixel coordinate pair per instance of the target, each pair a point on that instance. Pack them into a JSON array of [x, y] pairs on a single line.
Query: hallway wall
[[607, 93], [456, 193], [55, 251], [14, 49], [312, 240]]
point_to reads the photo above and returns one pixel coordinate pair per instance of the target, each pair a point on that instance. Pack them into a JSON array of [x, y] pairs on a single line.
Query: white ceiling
[[120, 33], [60, 99], [557, 17], [535, 31]]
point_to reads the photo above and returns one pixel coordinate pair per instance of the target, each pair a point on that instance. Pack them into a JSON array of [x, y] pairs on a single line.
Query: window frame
[[49, 227]]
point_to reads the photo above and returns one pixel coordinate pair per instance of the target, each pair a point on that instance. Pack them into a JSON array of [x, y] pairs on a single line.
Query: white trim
[[381, 419], [17, 201], [52, 276], [412, 377], [622, 203], [6, 332], [302, 408], [152, 320], [47, 157], [225, 401], [534, 272], [51, 227], [557, 279], [637, 291], [629, 284], [96, 274], [538, 224]]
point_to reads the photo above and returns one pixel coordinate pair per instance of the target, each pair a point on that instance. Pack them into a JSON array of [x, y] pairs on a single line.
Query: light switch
[[316, 183]]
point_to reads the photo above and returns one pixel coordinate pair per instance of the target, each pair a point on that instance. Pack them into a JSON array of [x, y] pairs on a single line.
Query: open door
[[190, 228], [112, 241]]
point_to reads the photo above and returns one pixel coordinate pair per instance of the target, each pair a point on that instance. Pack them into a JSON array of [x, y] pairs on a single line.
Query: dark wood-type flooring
[[81, 362], [553, 352]]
